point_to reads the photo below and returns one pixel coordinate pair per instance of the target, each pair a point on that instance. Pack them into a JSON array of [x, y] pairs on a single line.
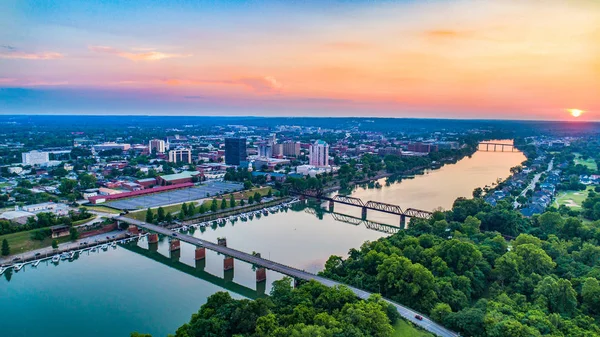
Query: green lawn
[[21, 242], [572, 198], [590, 163], [103, 209], [403, 328]]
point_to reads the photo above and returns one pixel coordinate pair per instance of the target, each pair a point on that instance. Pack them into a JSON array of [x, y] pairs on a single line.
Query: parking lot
[[174, 197]]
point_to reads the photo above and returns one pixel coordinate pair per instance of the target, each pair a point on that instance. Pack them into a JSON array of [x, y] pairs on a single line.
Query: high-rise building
[[157, 146], [35, 158], [319, 154], [291, 148], [277, 150], [235, 151], [180, 155], [265, 150]]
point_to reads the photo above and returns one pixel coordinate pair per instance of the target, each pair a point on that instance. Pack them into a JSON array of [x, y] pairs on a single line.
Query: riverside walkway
[[405, 312]]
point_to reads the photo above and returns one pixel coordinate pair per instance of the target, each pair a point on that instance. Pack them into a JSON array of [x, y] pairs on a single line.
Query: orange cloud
[[30, 56], [139, 56]]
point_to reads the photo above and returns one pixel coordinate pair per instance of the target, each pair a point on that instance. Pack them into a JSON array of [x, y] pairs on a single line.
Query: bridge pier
[[153, 238], [228, 263], [261, 288], [331, 205], [403, 221], [200, 253], [261, 275], [174, 245], [134, 230], [364, 213]]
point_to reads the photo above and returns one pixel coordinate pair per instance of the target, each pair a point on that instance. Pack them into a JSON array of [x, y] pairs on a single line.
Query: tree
[[242, 202], [231, 201], [590, 293], [214, 205], [87, 180], [54, 244], [550, 222], [73, 233], [191, 209], [247, 184], [160, 214], [169, 217], [250, 200], [67, 186], [223, 203], [184, 209], [257, 197], [270, 193], [5, 248], [149, 216], [478, 192]]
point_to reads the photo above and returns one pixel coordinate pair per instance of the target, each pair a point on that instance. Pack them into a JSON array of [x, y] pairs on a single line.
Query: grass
[[175, 209], [103, 209], [21, 242], [572, 198], [403, 328], [590, 163]]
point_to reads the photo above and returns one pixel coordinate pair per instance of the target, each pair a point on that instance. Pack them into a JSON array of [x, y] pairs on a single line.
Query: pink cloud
[[261, 84], [137, 56], [30, 56]]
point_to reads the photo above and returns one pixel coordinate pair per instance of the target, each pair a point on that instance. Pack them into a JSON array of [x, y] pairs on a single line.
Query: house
[[59, 231]]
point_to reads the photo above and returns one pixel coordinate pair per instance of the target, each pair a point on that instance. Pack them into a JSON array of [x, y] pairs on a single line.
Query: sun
[[575, 112]]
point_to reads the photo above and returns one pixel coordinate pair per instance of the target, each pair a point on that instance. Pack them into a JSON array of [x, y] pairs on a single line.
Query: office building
[[235, 151], [291, 149], [422, 147], [111, 146], [180, 156], [157, 146], [277, 150], [35, 158], [265, 150], [319, 154]]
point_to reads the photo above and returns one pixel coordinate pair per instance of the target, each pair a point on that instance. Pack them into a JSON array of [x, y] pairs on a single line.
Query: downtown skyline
[[435, 59]]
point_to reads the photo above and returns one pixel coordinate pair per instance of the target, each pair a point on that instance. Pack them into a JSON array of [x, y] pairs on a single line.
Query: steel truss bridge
[[372, 205]]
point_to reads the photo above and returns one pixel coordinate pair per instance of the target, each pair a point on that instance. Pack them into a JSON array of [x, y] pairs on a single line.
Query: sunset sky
[[521, 59]]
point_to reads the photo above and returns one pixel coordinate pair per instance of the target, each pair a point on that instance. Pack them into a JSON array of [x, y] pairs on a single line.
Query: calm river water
[[132, 288]]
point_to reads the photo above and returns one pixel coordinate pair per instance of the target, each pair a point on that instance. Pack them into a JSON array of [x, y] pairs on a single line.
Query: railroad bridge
[[496, 146], [371, 205]]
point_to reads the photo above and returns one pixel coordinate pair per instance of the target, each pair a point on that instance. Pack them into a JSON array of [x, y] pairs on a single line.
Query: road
[[534, 181], [405, 312], [49, 251]]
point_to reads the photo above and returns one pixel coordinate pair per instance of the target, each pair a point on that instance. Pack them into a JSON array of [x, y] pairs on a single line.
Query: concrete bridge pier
[[364, 213], [133, 230], [200, 253], [261, 275], [153, 238], [403, 221], [228, 275], [174, 245], [228, 263], [331, 205]]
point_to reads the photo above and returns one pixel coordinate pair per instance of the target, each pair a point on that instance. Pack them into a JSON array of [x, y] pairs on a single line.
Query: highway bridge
[[298, 274]]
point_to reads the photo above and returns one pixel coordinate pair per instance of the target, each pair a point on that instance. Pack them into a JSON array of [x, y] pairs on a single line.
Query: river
[[129, 289]]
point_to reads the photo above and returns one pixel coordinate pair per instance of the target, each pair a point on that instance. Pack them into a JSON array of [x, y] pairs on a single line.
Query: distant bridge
[[495, 146], [370, 205], [297, 274]]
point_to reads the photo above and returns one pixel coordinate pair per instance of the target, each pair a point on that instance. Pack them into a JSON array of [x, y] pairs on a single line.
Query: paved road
[[49, 251], [405, 312], [534, 181]]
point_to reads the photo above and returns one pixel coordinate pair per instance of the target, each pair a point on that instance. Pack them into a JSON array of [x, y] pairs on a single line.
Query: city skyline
[[453, 59]]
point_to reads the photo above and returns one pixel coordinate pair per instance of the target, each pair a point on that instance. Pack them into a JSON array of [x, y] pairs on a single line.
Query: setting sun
[[575, 112]]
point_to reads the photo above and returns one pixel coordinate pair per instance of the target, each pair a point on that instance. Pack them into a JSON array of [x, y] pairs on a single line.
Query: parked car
[[419, 317]]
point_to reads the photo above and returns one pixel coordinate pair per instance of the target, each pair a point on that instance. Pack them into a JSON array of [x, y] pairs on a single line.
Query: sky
[[494, 59]]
